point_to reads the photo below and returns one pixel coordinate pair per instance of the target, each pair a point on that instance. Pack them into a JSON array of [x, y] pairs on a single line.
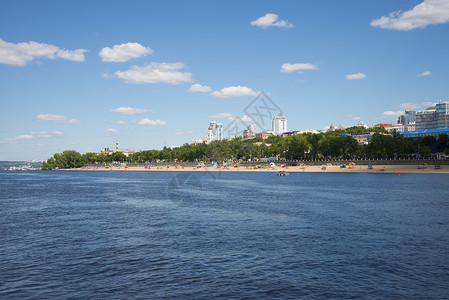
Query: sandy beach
[[428, 169]]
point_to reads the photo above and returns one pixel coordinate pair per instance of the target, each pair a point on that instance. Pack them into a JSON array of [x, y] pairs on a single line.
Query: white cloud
[[124, 52], [57, 132], [234, 91], [414, 106], [270, 20], [130, 111], [155, 73], [183, 132], [425, 73], [152, 122], [389, 113], [199, 88], [75, 55], [50, 118], [220, 116], [428, 12], [32, 136], [288, 68], [355, 76], [121, 122], [21, 54], [245, 119], [111, 130]]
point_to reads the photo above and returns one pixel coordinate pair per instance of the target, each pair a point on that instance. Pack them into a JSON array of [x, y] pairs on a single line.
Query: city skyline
[[77, 76]]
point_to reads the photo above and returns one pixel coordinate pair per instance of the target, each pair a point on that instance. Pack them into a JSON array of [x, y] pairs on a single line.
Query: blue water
[[148, 235]]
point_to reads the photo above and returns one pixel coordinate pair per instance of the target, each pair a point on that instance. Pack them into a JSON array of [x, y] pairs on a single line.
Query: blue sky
[[81, 75]]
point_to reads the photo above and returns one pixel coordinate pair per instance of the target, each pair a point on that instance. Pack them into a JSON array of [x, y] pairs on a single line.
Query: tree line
[[306, 146]]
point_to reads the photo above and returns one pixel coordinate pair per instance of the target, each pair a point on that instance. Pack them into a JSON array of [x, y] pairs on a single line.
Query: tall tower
[[116, 145], [279, 124]]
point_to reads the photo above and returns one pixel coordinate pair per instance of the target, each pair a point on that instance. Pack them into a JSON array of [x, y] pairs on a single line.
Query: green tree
[[118, 157]]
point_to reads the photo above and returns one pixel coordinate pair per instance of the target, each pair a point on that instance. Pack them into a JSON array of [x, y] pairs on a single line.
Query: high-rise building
[[434, 117], [279, 124], [408, 118]]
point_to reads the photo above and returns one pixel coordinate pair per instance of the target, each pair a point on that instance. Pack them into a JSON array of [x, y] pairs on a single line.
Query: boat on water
[[282, 173]]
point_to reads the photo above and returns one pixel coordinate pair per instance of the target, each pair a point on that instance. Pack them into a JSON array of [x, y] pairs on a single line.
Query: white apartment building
[[279, 124]]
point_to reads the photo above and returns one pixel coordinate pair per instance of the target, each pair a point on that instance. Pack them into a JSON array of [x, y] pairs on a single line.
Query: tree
[[381, 146], [65, 160], [298, 145], [90, 158], [118, 157]]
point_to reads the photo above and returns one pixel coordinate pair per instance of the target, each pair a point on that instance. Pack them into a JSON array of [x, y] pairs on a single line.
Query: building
[[362, 124], [210, 135], [127, 152], [197, 141], [217, 129], [333, 128], [410, 127], [214, 132], [408, 118], [434, 117], [363, 138], [390, 127], [422, 133], [264, 134], [279, 124], [250, 132], [289, 133]]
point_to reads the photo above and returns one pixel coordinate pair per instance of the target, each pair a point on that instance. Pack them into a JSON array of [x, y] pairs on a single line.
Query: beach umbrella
[[423, 164], [352, 164]]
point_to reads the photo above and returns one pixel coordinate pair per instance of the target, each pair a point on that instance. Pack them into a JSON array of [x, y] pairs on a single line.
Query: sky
[[81, 75]]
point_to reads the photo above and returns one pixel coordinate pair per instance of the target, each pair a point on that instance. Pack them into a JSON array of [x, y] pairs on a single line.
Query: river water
[[156, 235]]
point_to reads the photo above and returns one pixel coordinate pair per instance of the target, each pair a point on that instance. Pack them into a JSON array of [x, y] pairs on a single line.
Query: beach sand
[[428, 169]]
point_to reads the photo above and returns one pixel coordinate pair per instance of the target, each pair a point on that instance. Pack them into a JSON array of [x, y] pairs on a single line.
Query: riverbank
[[428, 169]]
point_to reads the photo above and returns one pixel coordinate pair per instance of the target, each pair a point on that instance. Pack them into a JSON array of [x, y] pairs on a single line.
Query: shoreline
[[389, 169]]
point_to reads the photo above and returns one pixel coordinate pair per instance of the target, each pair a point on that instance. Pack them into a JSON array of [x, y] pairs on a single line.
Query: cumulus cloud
[[112, 130], [183, 132], [124, 52], [429, 12], [289, 68], [50, 118], [271, 20], [152, 122], [355, 76], [234, 91], [425, 73], [155, 73], [199, 88], [31, 136], [414, 106], [121, 122], [220, 116], [21, 54], [127, 110], [389, 113]]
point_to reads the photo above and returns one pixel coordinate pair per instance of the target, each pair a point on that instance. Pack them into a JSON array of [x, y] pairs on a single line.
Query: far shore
[[427, 169]]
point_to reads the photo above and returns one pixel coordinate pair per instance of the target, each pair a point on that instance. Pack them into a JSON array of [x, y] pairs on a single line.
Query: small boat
[[282, 173]]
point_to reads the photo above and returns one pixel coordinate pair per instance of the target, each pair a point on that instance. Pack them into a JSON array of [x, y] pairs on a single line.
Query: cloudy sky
[[82, 74]]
